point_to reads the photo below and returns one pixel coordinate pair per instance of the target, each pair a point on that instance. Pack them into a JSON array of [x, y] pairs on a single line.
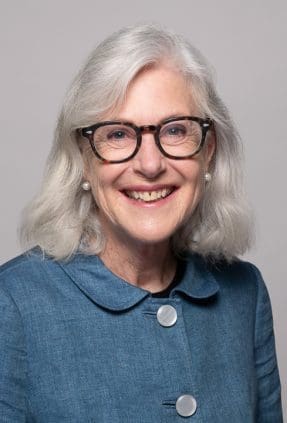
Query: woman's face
[[154, 95]]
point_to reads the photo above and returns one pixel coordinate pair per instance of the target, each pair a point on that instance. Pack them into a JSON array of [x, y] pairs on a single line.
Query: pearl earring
[[207, 177], [86, 186]]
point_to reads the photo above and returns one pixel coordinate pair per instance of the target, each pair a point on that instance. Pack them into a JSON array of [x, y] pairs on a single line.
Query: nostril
[[149, 162]]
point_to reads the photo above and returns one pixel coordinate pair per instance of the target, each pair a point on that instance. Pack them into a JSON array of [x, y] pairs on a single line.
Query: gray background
[[42, 44]]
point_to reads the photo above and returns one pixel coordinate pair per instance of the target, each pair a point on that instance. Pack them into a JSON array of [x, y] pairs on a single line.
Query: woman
[[133, 305]]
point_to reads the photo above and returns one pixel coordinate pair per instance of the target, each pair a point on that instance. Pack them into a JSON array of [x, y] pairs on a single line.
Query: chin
[[150, 237]]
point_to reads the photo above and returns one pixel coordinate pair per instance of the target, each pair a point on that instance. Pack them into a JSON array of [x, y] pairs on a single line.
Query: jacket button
[[186, 405], [166, 315]]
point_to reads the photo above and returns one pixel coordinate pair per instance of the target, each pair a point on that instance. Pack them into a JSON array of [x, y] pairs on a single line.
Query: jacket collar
[[198, 282], [113, 293]]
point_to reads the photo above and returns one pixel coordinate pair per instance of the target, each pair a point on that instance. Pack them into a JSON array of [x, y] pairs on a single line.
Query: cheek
[[192, 172], [194, 185], [195, 192], [102, 185], [99, 188]]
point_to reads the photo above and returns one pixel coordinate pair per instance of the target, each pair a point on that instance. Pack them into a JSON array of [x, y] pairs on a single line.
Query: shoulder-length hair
[[63, 217]]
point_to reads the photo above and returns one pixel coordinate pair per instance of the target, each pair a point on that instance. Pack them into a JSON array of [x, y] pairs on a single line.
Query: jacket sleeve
[[269, 408], [12, 362]]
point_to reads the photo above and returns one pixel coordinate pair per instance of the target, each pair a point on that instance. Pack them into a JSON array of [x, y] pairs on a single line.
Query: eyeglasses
[[176, 138]]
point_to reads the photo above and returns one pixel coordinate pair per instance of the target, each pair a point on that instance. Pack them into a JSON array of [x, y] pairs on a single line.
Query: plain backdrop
[[42, 44]]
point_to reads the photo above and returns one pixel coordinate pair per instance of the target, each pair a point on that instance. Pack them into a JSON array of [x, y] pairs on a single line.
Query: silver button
[[186, 405], [166, 315]]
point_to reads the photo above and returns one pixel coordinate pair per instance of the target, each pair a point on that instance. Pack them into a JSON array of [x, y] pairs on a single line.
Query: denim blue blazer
[[80, 345]]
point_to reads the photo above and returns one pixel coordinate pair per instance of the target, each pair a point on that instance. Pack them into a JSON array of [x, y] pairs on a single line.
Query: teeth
[[149, 195]]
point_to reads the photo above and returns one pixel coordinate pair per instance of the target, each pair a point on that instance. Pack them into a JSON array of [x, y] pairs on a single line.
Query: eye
[[114, 133], [117, 135], [173, 130], [176, 130]]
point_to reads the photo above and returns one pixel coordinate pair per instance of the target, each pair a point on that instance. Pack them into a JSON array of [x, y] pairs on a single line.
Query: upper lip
[[148, 188]]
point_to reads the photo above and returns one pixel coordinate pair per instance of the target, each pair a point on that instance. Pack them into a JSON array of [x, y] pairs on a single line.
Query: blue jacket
[[80, 345]]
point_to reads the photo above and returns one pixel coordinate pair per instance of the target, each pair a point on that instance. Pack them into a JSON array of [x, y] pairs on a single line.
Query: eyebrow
[[173, 116]]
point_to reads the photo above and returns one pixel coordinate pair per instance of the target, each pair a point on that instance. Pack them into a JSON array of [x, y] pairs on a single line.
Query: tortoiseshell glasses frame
[[128, 133]]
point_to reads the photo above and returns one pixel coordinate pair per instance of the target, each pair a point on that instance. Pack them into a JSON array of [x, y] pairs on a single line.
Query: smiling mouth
[[149, 196]]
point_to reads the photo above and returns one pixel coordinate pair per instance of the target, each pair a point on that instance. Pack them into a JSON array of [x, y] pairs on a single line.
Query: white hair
[[63, 217]]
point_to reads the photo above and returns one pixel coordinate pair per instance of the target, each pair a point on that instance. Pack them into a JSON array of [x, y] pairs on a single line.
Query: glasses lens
[[115, 142], [181, 138]]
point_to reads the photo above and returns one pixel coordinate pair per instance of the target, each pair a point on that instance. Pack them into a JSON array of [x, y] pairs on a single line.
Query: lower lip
[[151, 204]]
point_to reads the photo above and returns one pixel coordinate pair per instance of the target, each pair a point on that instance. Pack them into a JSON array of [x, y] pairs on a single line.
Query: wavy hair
[[62, 218]]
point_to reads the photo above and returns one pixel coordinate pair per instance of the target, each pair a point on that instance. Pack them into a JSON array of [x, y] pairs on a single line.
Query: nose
[[149, 161]]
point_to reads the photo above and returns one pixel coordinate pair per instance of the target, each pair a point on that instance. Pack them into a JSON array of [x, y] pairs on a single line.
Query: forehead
[[156, 93]]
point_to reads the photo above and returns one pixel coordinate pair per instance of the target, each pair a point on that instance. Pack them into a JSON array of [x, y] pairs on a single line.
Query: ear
[[209, 149], [86, 156]]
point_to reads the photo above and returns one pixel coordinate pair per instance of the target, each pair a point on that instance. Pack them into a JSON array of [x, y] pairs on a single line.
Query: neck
[[148, 266]]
